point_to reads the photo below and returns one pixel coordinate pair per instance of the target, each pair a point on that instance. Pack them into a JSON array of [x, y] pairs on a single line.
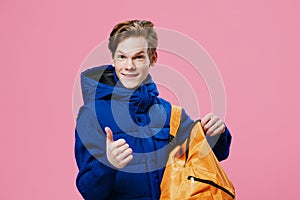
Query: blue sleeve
[[220, 144], [95, 178]]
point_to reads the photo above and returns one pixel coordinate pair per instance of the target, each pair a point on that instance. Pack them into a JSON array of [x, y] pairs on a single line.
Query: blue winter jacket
[[142, 119]]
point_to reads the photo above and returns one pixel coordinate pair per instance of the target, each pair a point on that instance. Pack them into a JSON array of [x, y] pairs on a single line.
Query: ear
[[154, 58], [112, 62]]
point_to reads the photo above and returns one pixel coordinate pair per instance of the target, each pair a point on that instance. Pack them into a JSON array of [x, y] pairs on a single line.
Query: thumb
[[109, 135]]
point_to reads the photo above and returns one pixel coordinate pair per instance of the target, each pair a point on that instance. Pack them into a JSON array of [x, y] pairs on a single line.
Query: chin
[[130, 86]]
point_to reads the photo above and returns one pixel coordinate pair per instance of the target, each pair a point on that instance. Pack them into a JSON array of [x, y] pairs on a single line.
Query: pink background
[[255, 45]]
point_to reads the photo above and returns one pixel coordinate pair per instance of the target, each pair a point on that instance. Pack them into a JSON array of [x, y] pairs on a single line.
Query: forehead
[[132, 45]]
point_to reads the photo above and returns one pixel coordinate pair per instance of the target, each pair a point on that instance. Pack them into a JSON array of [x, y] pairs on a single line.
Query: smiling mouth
[[130, 75]]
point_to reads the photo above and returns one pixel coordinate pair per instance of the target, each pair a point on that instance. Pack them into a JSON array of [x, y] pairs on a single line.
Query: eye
[[140, 57], [121, 57]]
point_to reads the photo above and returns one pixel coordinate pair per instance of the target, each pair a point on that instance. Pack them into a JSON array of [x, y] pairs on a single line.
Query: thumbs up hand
[[118, 153]]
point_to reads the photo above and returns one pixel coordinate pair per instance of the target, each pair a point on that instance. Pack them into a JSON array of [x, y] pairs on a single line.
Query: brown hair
[[134, 28]]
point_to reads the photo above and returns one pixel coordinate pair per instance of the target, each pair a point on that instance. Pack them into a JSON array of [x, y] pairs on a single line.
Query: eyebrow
[[142, 51]]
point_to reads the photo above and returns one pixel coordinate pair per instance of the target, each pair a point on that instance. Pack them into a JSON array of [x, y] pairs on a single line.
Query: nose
[[130, 64]]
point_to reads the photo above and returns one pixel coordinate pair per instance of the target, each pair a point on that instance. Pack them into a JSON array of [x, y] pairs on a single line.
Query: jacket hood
[[101, 83], [93, 84]]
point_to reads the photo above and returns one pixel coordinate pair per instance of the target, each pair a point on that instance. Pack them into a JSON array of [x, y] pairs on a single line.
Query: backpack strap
[[175, 119], [174, 126]]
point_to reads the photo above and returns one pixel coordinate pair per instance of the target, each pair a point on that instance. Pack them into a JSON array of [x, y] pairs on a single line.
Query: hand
[[212, 124], [118, 152]]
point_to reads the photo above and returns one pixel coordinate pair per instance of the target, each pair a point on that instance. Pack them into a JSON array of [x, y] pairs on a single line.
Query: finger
[[109, 134], [115, 151], [219, 129], [122, 156], [211, 122], [212, 128], [116, 144], [206, 119], [123, 148], [124, 162]]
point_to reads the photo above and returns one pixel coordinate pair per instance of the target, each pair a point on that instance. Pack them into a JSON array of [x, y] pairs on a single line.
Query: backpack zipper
[[193, 179]]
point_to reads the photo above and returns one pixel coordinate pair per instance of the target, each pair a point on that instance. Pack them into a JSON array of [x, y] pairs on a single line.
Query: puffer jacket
[[142, 119]]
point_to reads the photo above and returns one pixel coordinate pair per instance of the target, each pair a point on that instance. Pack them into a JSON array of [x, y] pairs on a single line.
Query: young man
[[122, 131]]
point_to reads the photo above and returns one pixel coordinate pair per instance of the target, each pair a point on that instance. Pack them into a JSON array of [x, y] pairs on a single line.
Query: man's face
[[132, 62]]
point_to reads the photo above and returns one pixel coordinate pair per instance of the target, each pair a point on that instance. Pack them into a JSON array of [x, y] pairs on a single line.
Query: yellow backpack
[[195, 174]]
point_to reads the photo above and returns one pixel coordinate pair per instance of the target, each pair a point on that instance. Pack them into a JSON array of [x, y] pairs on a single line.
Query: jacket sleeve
[[220, 144], [95, 178]]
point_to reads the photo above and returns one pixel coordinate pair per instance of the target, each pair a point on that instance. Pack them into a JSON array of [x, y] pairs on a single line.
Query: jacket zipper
[[193, 179]]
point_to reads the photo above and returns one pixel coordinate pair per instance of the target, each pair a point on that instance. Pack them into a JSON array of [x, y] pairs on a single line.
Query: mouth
[[130, 75]]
